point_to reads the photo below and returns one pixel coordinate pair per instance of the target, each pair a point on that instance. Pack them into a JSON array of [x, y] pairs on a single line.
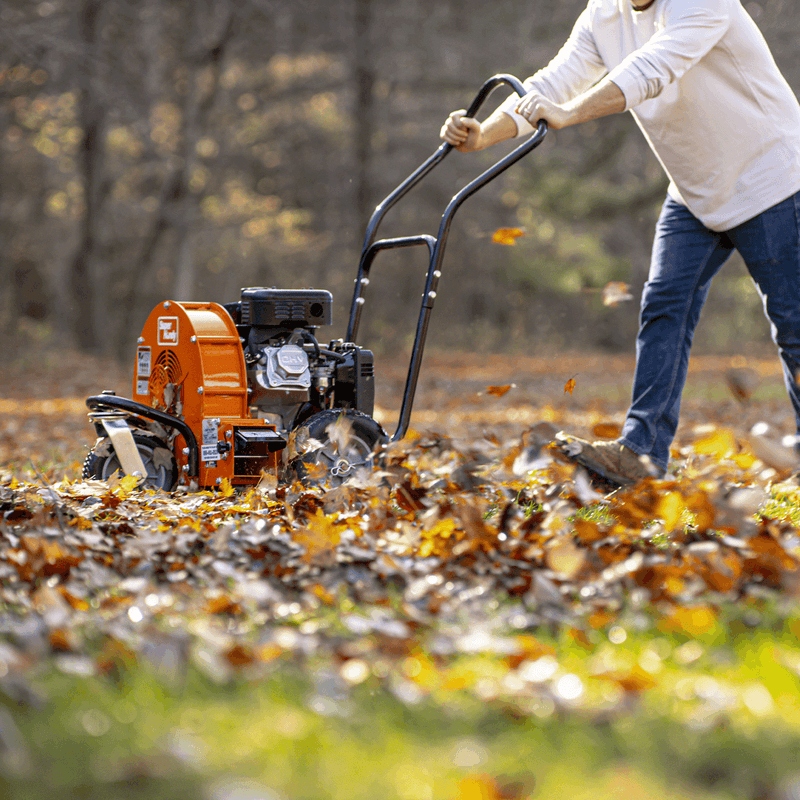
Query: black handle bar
[[436, 245], [415, 177]]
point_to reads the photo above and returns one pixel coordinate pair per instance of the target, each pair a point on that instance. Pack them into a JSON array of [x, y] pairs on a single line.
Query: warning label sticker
[[143, 362], [209, 452]]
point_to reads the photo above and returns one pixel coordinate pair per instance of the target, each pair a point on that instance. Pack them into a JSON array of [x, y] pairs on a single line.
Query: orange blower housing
[[190, 363]]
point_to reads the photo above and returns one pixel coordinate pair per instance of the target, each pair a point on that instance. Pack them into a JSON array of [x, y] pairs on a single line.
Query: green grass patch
[[716, 716]]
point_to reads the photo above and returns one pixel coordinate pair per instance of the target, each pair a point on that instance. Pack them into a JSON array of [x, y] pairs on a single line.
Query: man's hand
[[603, 99], [468, 135], [534, 107], [464, 133]]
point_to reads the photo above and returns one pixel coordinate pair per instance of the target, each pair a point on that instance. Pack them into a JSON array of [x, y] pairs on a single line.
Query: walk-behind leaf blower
[[235, 391]]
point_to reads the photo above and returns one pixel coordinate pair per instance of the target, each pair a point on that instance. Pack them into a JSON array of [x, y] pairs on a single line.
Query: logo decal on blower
[[168, 330]]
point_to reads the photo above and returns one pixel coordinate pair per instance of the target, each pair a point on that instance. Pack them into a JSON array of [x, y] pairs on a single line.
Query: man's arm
[[469, 135], [602, 100]]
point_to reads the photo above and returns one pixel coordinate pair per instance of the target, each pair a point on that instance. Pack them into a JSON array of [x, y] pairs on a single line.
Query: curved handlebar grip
[[490, 86]]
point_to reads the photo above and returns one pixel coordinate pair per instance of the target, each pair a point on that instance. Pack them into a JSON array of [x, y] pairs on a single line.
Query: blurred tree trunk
[[91, 165], [7, 312], [364, 111], [205, 52], [91, 156]]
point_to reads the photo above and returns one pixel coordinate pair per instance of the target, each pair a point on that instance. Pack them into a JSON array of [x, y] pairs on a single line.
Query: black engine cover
[[278, 308]]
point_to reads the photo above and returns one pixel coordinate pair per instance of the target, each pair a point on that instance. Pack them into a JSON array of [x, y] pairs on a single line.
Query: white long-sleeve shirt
[[705, 91]]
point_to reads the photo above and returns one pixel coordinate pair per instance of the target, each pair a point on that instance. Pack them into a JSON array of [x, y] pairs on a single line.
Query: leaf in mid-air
[[616, 292], [507, 236]]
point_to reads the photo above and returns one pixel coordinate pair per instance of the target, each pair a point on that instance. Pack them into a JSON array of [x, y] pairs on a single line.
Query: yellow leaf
[[569, 386], [693, 621], [719, 443], [744, 460], [126, 485], [420, 669], [507, 236], [670, 508], [565, 557], [478, 787], [321, 535], [225, 488]]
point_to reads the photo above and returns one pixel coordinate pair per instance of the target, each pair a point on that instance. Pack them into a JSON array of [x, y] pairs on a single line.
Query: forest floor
[[471, 621], [43, 412]]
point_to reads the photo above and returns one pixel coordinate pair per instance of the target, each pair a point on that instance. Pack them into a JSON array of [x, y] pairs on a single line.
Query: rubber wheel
[[162, 471], [334, 446]]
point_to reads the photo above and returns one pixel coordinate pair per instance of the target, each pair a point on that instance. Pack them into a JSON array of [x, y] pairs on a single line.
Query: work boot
[[612, 461]]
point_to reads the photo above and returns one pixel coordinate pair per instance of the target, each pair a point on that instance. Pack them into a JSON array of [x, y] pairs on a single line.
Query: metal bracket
[[124, 446]]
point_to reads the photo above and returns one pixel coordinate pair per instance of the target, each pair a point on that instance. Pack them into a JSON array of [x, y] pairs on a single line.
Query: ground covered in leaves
[[471, 567]]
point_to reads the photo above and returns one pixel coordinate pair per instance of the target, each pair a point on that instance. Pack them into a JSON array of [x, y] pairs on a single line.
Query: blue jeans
[[686, 256]]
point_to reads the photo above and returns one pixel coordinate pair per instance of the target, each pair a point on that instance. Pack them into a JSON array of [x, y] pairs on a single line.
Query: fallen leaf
[[606, 430], [507, 236]]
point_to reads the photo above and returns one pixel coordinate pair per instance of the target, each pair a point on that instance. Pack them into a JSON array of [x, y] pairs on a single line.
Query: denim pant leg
[[770, 247], [686, 256]]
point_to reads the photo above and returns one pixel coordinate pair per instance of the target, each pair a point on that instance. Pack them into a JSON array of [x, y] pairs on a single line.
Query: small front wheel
[[162, 470], [334, 446]]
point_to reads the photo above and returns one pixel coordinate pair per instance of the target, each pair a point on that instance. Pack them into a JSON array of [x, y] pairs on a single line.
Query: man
[[701, 83]]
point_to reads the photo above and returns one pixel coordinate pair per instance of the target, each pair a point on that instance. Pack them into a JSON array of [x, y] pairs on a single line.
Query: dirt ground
[[43, 414]]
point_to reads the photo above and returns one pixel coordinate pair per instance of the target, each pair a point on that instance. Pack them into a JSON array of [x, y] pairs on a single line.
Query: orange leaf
[[587, 531], [569, 386], [239, 656], [530, 648], [222, 605], [606, 430], [634, 681], [499, 391], [615, 293], [507, 236]]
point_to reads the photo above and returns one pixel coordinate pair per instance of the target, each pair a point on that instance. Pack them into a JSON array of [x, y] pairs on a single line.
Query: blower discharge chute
[[235, 391]]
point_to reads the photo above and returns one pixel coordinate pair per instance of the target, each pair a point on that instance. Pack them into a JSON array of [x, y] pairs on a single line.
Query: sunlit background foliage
[[184, 149]]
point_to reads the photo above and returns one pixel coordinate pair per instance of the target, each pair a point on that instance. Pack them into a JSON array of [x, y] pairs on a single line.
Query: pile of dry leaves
[[447, 550]]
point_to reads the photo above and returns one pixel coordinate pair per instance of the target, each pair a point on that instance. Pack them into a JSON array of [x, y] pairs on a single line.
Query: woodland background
[[468, 623], [155, 149]]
